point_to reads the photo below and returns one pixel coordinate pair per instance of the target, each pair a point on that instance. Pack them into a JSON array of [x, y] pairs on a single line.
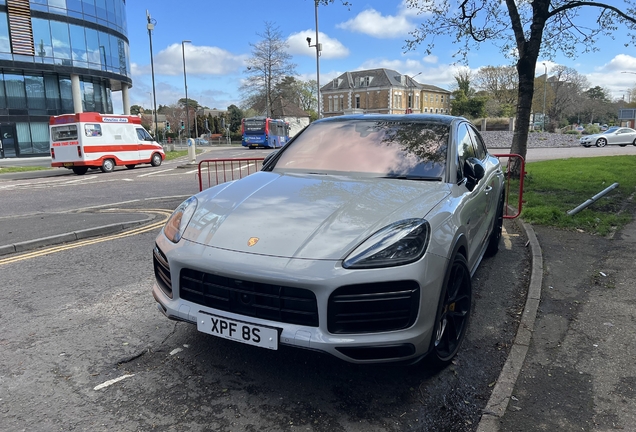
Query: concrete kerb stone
[[501, 393], [72, 236]]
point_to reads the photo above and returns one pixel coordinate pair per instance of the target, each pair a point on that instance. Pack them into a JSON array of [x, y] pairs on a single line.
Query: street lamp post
[[545, 86], [318, 49], [151, 26], [185, 83]]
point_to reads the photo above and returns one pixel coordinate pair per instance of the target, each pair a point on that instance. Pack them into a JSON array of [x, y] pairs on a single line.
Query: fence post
[[511, 124], [483, 124]]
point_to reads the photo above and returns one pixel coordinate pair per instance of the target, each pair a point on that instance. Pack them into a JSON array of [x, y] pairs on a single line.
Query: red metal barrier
[[508, 178], [216, 171]]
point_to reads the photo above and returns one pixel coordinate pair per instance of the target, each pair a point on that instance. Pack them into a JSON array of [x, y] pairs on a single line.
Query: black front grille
[[254, 299], [162, 270], [374, 307]]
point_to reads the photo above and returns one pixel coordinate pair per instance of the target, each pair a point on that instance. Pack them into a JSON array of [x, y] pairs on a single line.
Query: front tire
[[108, 166], [453, 313], [601, 142], [155, 161]]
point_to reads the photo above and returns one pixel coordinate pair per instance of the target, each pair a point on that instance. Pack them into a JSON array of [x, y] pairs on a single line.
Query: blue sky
[[368, 34]]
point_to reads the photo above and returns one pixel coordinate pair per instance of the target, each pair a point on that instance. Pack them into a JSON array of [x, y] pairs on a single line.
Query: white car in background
[[615, 135]]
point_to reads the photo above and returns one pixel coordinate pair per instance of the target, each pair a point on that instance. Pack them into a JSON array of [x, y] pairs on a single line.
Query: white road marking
[[506, 239], [155, 172]]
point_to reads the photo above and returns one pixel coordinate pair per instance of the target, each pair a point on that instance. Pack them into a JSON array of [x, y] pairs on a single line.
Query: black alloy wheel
[[454, 313]]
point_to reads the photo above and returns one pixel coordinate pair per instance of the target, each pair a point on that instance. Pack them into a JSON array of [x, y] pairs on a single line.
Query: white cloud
[[373, 23], [611, 76], [331, 48], [200, 60], [432, 59]]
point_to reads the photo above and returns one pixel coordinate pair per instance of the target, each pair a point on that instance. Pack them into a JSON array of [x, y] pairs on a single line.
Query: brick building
[[381, 91]]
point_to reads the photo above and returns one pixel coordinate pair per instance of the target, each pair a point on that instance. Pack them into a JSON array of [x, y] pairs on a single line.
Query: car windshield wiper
[[407, 177]]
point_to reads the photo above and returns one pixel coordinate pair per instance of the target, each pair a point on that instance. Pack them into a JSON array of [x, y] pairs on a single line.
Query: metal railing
[[223, 170], [508, 177]]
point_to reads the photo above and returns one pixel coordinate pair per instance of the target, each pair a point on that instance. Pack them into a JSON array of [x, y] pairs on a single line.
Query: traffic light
[[182, 125], [167, 125]]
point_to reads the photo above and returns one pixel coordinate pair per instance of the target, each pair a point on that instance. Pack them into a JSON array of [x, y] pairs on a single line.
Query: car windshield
[[412, 150], [612, 129]]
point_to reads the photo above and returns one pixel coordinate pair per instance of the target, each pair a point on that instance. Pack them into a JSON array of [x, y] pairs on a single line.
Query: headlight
[[400, 243], [179, 220]]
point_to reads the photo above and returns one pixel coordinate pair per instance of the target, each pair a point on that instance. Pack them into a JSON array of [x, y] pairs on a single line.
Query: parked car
[[201, 141], [358, 238], [621, 136]]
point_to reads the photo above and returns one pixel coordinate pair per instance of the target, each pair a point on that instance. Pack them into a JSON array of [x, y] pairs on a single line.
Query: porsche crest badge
[[252, 241]]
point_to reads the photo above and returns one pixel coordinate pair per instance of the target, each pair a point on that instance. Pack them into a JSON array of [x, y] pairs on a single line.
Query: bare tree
[[269, 64], [500, 82], [564, 94], [525, 29]]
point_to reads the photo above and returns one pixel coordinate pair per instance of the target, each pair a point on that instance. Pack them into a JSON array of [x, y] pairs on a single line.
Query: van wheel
[[108, 166], [80, 170], [155, 160], [133, 166]]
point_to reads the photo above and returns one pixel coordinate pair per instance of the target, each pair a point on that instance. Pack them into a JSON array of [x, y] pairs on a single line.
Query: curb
[[501, 394], [71, 236]]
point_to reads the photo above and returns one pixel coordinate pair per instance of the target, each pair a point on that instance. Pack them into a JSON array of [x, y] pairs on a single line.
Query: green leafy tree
[[235, 115], [136, 109], [527, 29]]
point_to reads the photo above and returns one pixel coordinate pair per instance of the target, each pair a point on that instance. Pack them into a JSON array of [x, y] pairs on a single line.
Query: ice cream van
[[93, 140]]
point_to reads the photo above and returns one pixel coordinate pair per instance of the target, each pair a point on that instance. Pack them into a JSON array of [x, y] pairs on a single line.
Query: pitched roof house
[[382, 91]]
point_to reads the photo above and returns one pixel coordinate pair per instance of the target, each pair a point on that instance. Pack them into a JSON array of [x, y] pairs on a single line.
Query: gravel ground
[[503, 139]]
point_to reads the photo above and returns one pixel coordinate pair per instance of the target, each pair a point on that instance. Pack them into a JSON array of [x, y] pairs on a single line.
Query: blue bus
[[264, 132]]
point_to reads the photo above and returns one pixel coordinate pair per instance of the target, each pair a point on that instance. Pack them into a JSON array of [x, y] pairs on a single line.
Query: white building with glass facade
[[58, 57]]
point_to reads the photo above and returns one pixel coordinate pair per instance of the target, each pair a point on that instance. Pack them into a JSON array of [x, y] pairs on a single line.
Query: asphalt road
[[84, 347]]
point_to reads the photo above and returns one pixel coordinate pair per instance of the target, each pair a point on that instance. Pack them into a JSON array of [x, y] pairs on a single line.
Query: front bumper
[[322, 278]]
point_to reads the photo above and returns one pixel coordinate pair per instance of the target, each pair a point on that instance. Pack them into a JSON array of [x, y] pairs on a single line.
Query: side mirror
[[268, 158], [473, 171]]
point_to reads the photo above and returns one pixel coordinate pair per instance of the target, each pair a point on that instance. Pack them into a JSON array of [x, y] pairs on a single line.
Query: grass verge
[[552, 188], [4, 170], [170, 155]]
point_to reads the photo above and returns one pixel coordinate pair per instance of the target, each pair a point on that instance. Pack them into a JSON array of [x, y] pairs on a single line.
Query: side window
[[93, 130], [143, 135], [465, 149], [480, 147]]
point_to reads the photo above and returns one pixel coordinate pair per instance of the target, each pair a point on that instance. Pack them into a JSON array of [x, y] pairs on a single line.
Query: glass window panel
[[36, 101], [114, 49], [42, 39], [23, 132], [58, 3], [110, 8], [100, 6], [92, 47], [74, 5], [5, 44], [97, 94], [52, 89], [16, 96], [78, 46], [61, 43], [44, 2], [40, 137], [109, 101], [3, 98], [89, 7], [89, 99], [67, 95], [104, 50], [128, 59]]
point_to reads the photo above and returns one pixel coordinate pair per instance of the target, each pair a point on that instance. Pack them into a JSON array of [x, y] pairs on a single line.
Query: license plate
[[68, 164], [260, 336]]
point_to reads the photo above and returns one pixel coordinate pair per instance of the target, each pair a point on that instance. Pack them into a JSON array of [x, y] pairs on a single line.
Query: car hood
[[305, 216]]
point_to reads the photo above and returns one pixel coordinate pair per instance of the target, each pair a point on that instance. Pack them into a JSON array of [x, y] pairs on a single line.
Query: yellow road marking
[[91, 241]]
